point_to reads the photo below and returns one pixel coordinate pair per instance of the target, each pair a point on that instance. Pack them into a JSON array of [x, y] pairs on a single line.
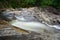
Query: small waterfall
[[25, 20], [31, 24]]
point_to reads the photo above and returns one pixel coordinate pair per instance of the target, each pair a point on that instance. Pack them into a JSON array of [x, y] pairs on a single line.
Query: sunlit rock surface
[[46, 23]]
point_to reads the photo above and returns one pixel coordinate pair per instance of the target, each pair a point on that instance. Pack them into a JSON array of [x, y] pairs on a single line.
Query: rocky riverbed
[[9, 33], [42, 15]]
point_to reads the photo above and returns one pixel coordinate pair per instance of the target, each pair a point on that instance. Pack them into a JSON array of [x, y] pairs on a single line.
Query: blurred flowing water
[[25, 20]]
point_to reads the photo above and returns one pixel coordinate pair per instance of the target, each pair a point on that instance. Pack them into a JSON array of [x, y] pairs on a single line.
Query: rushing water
[[26, 21], [32, 26]]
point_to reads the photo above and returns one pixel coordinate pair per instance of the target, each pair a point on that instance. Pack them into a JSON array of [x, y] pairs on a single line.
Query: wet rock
[[41, 15], [44, 15]]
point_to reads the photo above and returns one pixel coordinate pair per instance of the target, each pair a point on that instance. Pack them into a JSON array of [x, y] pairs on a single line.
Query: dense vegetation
[[29, 3]]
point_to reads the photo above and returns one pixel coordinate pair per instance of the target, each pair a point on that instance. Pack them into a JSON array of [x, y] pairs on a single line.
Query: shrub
[[56, 4], [29, 3], [46, 2]]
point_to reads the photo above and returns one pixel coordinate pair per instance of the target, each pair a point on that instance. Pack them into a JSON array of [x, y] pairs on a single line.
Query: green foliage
[[56, 4], [29, 3], [46, 2], [17, 3]]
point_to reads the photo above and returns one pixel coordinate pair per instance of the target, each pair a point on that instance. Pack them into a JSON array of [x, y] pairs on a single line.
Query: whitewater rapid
[[32, 26], [25, 20]]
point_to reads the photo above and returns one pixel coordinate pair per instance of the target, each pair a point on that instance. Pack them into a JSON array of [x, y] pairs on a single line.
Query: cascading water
[[26, 21]]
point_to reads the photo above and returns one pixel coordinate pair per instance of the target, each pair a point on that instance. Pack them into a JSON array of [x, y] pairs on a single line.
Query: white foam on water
[[26, 21], [31, 26], [55, 26], [22, 23]]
